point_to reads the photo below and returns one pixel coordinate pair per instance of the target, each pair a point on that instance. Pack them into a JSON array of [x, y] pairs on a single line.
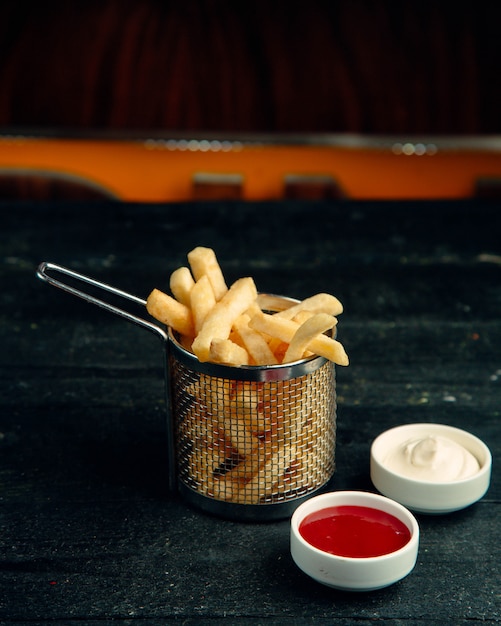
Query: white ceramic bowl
[[354, 573], [425, 496]]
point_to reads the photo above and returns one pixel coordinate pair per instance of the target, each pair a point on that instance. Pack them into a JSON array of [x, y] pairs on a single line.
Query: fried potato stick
[[227, 352], [181, 283], [261, 484], [285, 330], [203, 261], [202, 300], [240, 437], [169, 311], [319, 303], [254, 342], [310, 329], [218, 323]]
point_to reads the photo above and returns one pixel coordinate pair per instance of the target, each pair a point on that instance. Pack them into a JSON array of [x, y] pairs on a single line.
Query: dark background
[[331, 66]]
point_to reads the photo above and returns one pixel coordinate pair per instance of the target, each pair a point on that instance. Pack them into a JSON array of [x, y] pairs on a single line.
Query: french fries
[[219, 320], [250, 442], [227, 352], [285, 329], [203, 262], [181, 284], [203, 310], [319, 303], [254, 342], [202, 301], [170, 312], [312, 327]]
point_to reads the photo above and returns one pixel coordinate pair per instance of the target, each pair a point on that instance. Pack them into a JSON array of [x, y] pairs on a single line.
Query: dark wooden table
[[90, 534]]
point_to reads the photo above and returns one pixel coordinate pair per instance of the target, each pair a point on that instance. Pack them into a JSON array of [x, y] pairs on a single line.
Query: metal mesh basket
[[251, 442], [248, 443]]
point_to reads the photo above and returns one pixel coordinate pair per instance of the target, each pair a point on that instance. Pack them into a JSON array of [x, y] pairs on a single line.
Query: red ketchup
[[354, 531]]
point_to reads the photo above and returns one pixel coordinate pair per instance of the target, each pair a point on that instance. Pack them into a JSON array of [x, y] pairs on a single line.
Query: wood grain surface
[[90, 534]]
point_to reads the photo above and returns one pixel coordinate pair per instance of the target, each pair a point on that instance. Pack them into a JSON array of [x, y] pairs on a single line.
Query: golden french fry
[[319, 303], [227, 352], [251, 464], [203, 261], [204, 431], [288, 409], [218, 323], [292, 479], [253, 309], [235, 430], [211, 393], [245, 398], [201, 467], [248, 402], [254, 342], [261, 484], [202, 300], [285, 330], [302, 316], [169, 311], [224, 489], [181, 283], [207, 455], [307, 331], [278, 347]]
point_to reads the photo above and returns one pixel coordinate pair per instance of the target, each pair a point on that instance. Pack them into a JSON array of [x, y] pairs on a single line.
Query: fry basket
[[246, 443]]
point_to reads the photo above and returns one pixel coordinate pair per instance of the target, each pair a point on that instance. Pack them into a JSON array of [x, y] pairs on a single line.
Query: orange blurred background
[[142, 100]]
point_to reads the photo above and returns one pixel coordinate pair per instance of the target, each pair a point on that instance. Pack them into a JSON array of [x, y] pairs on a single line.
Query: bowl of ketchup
[[354, 540]]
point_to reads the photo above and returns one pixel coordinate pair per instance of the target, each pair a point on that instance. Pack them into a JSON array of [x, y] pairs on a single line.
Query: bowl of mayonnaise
[[430, 468]]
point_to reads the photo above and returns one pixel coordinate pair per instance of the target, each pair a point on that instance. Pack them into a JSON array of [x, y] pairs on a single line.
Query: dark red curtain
[[262, 66]]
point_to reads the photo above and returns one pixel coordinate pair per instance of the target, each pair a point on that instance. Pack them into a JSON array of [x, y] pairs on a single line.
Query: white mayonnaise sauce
[[434, 458]]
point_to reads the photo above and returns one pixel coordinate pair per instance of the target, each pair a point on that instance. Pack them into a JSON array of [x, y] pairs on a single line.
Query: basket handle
[[44, 270]]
